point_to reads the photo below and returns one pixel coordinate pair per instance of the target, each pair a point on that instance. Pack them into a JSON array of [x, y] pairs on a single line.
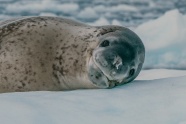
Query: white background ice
[[165, 41]]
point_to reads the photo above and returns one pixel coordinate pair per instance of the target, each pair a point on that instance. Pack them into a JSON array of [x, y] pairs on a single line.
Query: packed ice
[[158, 98]]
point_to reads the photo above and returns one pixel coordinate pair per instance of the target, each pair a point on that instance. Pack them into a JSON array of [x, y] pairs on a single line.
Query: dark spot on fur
[[34, 73], [19, 87], [5, 78], [75, 46], [28, 26], [42, 64], [84, 50], [25, 78], [70, 58], [55, 75], [60, 62], [23, 84], [95, 31], [12, 41], [75, 62], [54, 67], [59, 58], [64, 47]]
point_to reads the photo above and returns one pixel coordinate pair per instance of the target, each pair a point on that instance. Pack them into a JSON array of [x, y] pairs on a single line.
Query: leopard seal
[[56, 54]]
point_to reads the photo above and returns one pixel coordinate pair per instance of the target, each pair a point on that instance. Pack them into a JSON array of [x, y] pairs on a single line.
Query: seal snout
[[110, 58], [111, 64]]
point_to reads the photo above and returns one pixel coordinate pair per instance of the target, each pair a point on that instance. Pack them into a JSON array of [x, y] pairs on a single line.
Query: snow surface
[[156, 98], [165, 41]]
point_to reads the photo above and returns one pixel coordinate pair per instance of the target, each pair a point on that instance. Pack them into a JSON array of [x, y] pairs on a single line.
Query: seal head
[[117, 59]]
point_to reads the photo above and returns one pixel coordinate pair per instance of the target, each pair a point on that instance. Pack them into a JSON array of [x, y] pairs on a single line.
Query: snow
[[165, 40], [88, 13], [155, 99], [100, 22], [122, 7], [47, 14], [41, 6], [163, 32], [129, 12], [116, 22], [162, 73], [115, 8], [2, 17]]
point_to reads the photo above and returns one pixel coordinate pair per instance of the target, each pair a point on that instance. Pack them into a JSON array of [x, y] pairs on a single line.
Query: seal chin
[[96, 76]]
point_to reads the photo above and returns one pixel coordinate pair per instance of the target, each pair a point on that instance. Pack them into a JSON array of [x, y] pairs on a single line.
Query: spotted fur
[[46, 53]]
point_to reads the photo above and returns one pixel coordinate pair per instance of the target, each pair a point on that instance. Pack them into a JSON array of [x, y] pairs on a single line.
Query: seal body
[[51, 53]]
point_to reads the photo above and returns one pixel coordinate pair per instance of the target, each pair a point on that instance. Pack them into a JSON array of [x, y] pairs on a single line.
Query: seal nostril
[[131, 72]]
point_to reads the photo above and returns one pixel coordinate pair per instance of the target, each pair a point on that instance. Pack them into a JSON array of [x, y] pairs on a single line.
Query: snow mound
[[122, 7], [116, 22], [47, 14], [41, 6], [88, 13], [149, 101], [165, 40], [115, 8], [101, 21]]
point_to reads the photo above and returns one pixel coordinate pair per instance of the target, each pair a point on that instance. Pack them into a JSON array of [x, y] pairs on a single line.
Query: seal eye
[[131, 72], [105, 43]]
